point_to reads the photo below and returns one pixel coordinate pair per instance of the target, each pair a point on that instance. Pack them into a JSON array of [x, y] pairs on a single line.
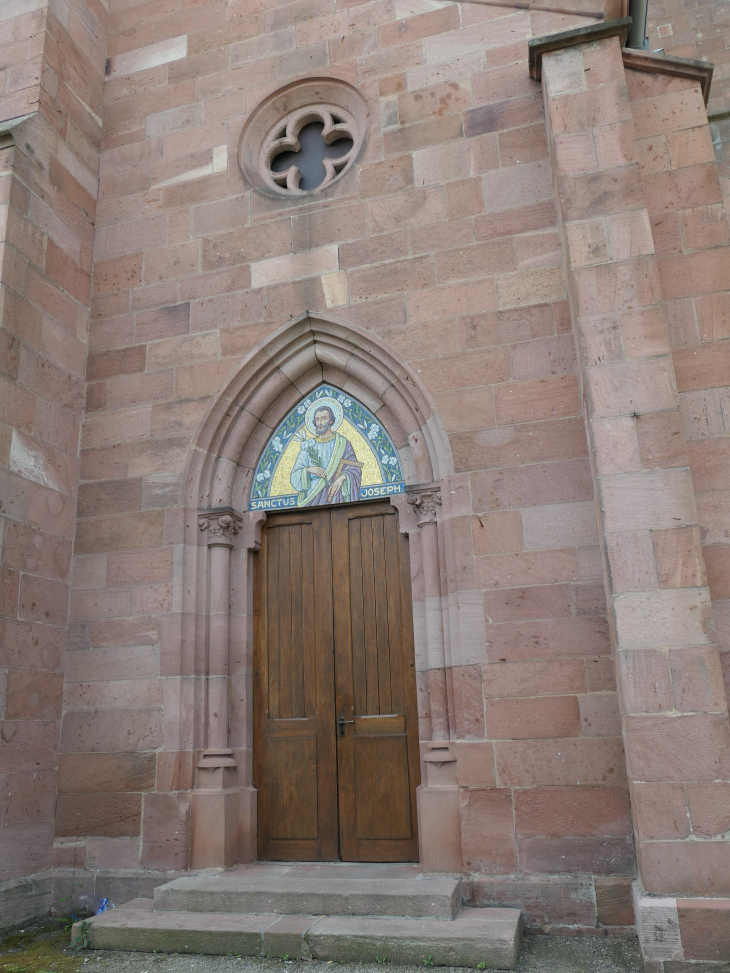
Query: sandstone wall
[[696, 29], [446, 247], [50, 107]]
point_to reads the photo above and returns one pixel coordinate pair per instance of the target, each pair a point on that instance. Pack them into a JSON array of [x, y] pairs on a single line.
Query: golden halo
[[325, 400]]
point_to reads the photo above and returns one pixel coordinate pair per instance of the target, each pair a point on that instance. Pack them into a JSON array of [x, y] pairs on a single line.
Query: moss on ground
[[40, 948]]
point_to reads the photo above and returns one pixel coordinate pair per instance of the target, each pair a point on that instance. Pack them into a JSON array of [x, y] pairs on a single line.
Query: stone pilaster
[[677, 738]]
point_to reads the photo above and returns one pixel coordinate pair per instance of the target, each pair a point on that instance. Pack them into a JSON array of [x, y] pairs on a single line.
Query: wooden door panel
[[294, 742], [378, 755], [382, 799], [334, 638], [291, 786]]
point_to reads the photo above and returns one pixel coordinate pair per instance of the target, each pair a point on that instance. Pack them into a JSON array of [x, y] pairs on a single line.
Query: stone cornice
[[539, 46], [677, 67]]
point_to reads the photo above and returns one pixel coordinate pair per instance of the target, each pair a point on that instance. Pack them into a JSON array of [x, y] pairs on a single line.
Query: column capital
[[222, 524], [426, 501]]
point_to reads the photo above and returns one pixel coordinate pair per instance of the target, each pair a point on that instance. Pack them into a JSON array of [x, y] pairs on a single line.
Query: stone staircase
[[341, 912]]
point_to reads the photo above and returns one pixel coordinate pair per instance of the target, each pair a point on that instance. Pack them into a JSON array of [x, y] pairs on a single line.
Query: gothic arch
[[312, 349], [212, 648]]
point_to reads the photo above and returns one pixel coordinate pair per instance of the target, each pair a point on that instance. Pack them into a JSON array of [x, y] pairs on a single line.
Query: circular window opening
[[303, 138], [318, 157]]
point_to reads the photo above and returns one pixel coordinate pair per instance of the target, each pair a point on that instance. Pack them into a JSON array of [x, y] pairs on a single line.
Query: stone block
[[112, 731], [111, 853], [141, 530], [493, 256], [540, 601], [679, 558], [630, 387], [33, 695], [532, 679], [616, 445], [457, 371], [600, 856], [669, 617], [551, 638], [465, 409], [531, 287], [81, 773], [600, 715], [557, 812], [546, 717], [704, 928], [487, 828], [391, 278], [546, 900], [588, 761], [661, 440], [25, 849], [717, 560], [531, 485], [631, 559], [517, 185], [697, 680], [686, 867], [166, 831], [475, 764], [645, 681], [42, 600], [560, 526], [656, 499], [660, 810], [521, 568], [677, 749], [527, 144], [614, 901], [111, 815], [658, 927], [544, 358]]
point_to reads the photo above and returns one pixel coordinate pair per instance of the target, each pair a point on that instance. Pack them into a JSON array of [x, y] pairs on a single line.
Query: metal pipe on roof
[[637, 33]]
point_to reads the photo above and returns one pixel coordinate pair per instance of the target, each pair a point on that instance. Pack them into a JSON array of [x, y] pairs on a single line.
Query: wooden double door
[[335, 721]]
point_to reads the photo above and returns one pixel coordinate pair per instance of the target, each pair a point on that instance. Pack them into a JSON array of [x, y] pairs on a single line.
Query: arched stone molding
[[214, 640]]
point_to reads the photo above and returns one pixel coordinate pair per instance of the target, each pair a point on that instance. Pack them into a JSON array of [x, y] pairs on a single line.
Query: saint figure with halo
[[326, 469]]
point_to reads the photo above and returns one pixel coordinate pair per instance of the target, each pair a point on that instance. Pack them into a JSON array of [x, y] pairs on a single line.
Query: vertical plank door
[[294, 719], [375, 686]]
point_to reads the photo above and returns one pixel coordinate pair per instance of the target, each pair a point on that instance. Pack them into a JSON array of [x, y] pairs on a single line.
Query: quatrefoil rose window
[[303, 138], [311, 150]]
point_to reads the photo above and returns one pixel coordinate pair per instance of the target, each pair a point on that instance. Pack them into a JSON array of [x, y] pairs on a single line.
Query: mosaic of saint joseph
[[326, 469]]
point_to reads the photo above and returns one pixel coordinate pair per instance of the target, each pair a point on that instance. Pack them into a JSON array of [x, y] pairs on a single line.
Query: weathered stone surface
[[278, 889], [488, 936]]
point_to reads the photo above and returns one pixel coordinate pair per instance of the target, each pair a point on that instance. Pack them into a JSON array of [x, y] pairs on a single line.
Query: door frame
[[207, 639], [334, 845]]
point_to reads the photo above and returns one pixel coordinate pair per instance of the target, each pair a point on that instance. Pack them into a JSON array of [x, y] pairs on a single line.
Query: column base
[[216, 828], [439, 828]]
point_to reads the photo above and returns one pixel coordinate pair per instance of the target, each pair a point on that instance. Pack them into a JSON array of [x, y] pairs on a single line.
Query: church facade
[[364, 416]]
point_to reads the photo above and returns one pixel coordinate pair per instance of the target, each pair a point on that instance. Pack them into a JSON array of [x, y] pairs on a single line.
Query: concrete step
[[339, 890], [476, 936]]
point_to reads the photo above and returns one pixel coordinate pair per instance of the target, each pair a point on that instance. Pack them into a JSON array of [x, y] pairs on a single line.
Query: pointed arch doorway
[[336, 725], [215, 636]]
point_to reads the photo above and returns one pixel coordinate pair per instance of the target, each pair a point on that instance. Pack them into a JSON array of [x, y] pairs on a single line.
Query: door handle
[[341, 724]]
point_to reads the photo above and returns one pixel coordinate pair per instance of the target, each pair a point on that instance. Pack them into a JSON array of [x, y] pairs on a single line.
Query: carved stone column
[[427, 503], [439, 821], [216, 824]]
